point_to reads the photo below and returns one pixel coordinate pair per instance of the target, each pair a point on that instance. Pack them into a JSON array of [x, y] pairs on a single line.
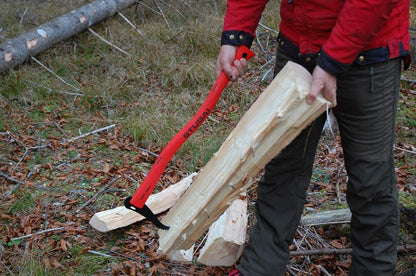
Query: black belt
[[294, 53], [371, 56]]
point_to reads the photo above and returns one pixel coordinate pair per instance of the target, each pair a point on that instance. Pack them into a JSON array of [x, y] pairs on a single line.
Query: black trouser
[[367, 100]]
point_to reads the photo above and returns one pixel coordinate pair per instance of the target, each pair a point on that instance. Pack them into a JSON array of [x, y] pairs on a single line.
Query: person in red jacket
[[355, 50]]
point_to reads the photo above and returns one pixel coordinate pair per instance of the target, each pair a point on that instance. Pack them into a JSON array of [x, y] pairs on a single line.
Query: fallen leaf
[[106, 168], [337, 244]]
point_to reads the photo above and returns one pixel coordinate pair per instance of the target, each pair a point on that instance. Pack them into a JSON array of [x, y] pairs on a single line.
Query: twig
[[122, 255], [38, 233], [50, 89], [323, 251], [403, 249], [150, 8], [21, 18], [129, 177], [6, 195], [405, 150], [267, 63], [290, 271], [100, 254], [268, 28], [129, 22], [324, 270], [108, 42], [215, 6], [337, 185], [64, 141], [149, 152], [14, 139], [11, 179], [53, 73], [8, 269], [408, 80], [162, 14], [326, 251], [266, 74], [27, 149], [90, 133], [98, 193], [172, 7], [49, 123]]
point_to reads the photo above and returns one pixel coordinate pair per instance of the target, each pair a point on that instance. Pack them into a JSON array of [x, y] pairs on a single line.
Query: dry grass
[[149, 95]]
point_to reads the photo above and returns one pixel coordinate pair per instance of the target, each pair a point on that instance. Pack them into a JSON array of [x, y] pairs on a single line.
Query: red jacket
[[341, 30]]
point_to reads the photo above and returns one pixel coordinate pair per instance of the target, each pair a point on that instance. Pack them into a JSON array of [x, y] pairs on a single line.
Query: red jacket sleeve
[[241, 20]]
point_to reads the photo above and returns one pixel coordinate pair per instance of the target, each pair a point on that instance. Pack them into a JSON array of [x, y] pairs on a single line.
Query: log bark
[[120, 216], [17, 50], [226, 237], [273, 121], [327, 217]]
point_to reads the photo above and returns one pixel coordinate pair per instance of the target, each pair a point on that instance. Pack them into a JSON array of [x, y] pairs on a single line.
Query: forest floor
[[60, 146]]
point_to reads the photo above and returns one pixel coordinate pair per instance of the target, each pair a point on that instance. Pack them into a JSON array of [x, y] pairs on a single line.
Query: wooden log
[[226, 237], [183, 255], [17, 50], [120, 216], [327, 217], [272, 122]]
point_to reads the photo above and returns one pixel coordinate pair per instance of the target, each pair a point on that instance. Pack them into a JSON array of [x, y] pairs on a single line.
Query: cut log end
[[222, 253]]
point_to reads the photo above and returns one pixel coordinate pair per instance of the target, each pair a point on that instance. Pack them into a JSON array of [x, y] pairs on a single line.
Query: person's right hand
[[224, 63], [323, 83]]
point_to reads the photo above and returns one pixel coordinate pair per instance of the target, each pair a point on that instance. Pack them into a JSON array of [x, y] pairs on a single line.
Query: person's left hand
[[325, 83]]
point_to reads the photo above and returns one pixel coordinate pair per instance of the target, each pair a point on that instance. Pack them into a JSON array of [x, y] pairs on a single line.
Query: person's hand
[[325, 83], [224, 63]]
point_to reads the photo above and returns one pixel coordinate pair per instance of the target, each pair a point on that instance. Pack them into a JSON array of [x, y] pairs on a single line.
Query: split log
[[17, 50], [121, 216], [273, 121], [226, 237], [183, 256], [327, 217]]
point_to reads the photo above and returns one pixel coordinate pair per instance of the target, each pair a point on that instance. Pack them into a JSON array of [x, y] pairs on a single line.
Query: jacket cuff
[[331, 65], [236, 38]]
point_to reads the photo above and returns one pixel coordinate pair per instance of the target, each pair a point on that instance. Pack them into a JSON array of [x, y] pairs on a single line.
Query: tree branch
[[403, 249]]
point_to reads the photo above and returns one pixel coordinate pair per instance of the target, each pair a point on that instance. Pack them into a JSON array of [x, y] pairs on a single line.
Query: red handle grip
[[148, 185]]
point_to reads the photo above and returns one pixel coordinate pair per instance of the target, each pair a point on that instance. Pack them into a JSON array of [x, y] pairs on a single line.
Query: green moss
[[408, 200]]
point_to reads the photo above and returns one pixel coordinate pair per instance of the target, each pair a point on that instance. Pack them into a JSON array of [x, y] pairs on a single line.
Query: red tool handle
[[148, 185]]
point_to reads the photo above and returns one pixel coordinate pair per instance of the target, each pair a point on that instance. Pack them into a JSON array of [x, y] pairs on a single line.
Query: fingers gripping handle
[[242, 52], [137, 202]]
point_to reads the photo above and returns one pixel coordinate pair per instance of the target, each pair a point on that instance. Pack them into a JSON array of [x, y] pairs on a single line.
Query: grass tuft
[[23, 205]]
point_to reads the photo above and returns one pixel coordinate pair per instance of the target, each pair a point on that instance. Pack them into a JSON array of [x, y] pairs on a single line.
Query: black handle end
[[146, 212]]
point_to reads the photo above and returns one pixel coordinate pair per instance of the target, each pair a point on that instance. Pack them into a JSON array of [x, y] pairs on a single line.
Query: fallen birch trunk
[[273, 121], [226, 237], [121, 216], [17, 50]]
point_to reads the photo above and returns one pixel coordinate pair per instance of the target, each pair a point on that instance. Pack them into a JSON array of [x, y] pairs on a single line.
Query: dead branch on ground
[[102, 190]]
